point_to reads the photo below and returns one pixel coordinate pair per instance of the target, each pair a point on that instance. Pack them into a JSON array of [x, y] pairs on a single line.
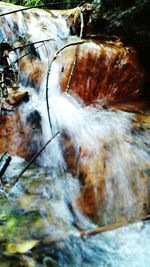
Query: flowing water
[[43, 212]]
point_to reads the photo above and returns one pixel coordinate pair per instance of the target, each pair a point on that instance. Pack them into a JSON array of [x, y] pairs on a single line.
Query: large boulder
[[101, 70], [114, 180]]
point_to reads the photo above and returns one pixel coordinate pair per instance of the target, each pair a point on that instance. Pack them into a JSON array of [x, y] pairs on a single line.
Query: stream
[[95, 173], [38, 218]]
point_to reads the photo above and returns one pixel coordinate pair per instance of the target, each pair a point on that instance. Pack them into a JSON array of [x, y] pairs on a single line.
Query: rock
[[14, 138], [103, 190], [96, 201], [17, 138], [16, 98], [135, 106], [102, 71], [92, 176], [33, 76]]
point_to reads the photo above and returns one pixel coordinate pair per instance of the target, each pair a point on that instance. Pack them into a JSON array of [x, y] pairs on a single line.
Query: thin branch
[[48, 74], [112, 226], [4, 163], [77, 161], [82, 24], [3, 169], [1, 97], [38, 6], [1, 180], [72, 69], [29, 44], [18, 59], [31, 161], [68, 45]]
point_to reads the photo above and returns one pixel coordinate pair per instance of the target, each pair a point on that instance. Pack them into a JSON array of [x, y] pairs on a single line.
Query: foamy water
[[92, 130]]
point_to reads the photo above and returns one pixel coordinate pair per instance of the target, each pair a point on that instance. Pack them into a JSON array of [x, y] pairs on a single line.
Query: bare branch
[[72, 69], [29, 44], [48, 74], [82, 24], [113, 226], [38, 6]]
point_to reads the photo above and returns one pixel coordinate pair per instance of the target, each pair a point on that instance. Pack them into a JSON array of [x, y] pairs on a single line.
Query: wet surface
[[40, 226], [95, 173]]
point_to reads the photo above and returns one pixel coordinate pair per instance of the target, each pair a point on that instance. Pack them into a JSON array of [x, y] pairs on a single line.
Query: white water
[[91, 129]]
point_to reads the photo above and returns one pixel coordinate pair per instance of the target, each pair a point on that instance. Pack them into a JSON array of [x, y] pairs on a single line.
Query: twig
[[1, 180], [4, 167], [82, 24], [4, 163], [32, 160], [70, 44], [47, 78], [112, 226], [29, 44], [72, 70], [43, 43], [20, 47], [37, 6], [18, 59], [77, 161], [1, 97], [84, 233]]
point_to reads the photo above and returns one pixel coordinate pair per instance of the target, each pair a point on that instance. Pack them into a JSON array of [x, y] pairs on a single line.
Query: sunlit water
[[41, 205]]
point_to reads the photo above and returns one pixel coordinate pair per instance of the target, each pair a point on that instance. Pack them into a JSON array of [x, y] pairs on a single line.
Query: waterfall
[[102, 139]]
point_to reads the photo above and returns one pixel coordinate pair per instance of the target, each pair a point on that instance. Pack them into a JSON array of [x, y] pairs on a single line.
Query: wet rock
[[136, 106], [32, 75], [17, 137], [102, 71], [75, 17], [98, 178], [92, 174], [17, 97], [93, 199]]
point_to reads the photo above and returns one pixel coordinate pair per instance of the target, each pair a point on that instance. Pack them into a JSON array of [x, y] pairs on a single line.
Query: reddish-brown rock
[[102, 71], [95, 172], [15, 138]]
